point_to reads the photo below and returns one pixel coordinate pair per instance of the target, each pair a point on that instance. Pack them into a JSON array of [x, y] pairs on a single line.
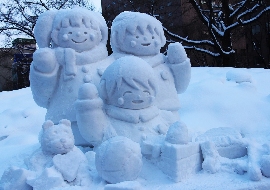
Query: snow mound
[[238, 76]]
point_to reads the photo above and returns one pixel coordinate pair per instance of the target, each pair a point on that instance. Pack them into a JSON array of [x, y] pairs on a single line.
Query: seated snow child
[[72, 42], [139, 34], [126, 106]]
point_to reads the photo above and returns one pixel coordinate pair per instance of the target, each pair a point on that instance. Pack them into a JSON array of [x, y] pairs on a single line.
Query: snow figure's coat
[[128, 88], [72, 43], [139, 34]]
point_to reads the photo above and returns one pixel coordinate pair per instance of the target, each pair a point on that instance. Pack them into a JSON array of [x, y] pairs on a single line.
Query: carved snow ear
[[43, 28], [65, 122], [47, 124]]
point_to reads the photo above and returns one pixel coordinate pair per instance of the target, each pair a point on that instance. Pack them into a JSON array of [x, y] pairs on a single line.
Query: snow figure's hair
[[50, 22], [131, 70], [131, 21]]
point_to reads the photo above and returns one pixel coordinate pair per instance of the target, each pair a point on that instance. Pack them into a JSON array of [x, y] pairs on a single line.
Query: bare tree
[[19, 16], [222, 18]]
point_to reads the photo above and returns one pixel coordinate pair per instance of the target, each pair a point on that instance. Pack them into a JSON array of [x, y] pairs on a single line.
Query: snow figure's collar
[[132, 116], [70, 60], [153, 60]]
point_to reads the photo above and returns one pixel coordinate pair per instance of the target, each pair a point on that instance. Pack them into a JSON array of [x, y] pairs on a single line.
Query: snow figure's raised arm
[[43, 75], [180, 66], [92, 121]]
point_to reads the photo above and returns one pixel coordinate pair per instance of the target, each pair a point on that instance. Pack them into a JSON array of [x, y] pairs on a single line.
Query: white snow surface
[[210, 101]]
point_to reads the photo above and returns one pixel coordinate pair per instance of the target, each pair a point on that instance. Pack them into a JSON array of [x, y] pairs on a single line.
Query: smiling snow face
[[78, 38], [128, 97], [142, 42], [130, 83]]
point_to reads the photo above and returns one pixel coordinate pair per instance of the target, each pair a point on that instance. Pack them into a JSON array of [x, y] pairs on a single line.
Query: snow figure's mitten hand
[[176, 53], [88, 91], [44, 60]]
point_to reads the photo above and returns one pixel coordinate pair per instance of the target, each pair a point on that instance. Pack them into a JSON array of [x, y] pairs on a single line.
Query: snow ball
[[177, 133], [238, 76], [119, 159], [265, 165]]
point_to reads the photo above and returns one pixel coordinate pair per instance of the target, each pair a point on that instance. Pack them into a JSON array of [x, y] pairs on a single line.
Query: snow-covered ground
[[216, 97]]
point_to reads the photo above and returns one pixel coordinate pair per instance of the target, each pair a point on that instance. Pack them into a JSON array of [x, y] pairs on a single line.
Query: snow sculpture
[[228, 141], [126, 108], [179, 157], [119, 159], [139, 34], [57, 163], [72, 42]]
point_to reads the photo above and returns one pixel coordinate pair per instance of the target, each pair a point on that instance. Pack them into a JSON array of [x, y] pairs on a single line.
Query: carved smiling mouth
[[146, 44], [78, 42], [137, 101]]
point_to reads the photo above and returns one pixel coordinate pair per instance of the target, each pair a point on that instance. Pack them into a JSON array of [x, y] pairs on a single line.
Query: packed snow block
[[180, 161], [178, 151], [126, 185]]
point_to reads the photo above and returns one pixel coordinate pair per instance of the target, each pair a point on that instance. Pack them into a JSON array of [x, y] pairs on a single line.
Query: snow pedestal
[[176, 156], [180, 161]]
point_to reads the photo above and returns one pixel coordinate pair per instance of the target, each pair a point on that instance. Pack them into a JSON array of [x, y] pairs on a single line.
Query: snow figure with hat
[[141, 35], [124, 104], [71, 42]]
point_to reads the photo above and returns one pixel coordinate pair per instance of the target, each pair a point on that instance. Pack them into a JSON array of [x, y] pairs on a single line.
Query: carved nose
[[145, 38], [63, 140], [78, 34]]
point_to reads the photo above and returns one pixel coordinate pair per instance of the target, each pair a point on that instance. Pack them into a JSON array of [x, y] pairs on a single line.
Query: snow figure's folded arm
[[43, 75], [180, 66], [92, 121]]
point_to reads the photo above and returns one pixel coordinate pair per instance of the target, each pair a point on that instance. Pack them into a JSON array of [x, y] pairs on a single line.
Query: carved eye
[[85, 32], [146, 92], [153, 37], [70, 33], [137, 36], [127, 92]]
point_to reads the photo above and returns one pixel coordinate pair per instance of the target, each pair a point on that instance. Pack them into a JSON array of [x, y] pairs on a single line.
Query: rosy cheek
[[133, 43], [120, 101], [65, 37], [157, 43], [92, 37]]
